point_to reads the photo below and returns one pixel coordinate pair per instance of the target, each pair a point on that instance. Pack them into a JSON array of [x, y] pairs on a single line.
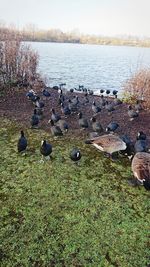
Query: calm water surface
[[94, 66]]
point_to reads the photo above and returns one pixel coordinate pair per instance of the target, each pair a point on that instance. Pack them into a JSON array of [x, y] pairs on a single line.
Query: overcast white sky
[[107, 17]]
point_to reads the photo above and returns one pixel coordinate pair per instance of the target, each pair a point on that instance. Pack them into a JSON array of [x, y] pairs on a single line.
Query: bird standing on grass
[[141, 169], [45, 149], [108, 143], [22, 143], [75, 154]]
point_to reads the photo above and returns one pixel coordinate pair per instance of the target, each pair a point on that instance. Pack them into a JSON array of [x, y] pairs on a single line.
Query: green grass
[[58, 213]]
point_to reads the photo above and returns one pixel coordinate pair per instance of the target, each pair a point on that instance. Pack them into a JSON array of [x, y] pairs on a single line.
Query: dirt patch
[[15, 105]]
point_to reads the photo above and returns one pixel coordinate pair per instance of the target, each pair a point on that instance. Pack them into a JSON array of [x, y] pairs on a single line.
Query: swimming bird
[[22, 143], [141, 168], [102, 91], [97, 127], [115, 92], [45, 149], [55, 129], [112, 126], [83, 123], [95, 108], [55, 117], [35, 119], [132, 113], [75, 154], [108, 143]]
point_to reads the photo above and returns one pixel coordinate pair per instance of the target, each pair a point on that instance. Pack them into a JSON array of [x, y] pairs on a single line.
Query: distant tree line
[[31, 33]]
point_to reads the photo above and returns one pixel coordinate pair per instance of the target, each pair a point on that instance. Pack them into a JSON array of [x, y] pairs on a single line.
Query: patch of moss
[[59, 213]]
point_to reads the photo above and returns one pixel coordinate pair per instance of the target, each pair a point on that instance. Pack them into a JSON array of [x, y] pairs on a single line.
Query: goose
[[112, 126], [95, 108], [141, 168], [39, 113], [97, 127], [34, 119], [83, 123], [72, 107], [75, 100], [109, 107], [63, 125], [55, 117], [75, 154], [22, 142], [132, 113], [55, 129], [65, 110], [108, 143], [38, 103], [45, 149]]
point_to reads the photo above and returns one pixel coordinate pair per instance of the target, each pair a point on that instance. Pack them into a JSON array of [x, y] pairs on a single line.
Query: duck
[[141, 143], [75, 154], [112, 126], [22, 142], [83, 123], [108, 143], [97, 127], [55, 129], [35, 119], [132, 113], [95, 108], [55, 117], [141, 168], [45, 149]]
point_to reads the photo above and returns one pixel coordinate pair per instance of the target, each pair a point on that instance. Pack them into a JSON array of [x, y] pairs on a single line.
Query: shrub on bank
[[138, 87], [18, 62]]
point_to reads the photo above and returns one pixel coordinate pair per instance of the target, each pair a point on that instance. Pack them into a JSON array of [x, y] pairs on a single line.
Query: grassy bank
[[58, 213]]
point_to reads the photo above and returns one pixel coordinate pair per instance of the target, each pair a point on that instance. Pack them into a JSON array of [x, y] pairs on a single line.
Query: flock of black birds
[[107, 141]]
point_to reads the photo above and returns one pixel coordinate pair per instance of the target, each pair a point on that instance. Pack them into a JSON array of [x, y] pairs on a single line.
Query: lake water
[[94, 66]]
